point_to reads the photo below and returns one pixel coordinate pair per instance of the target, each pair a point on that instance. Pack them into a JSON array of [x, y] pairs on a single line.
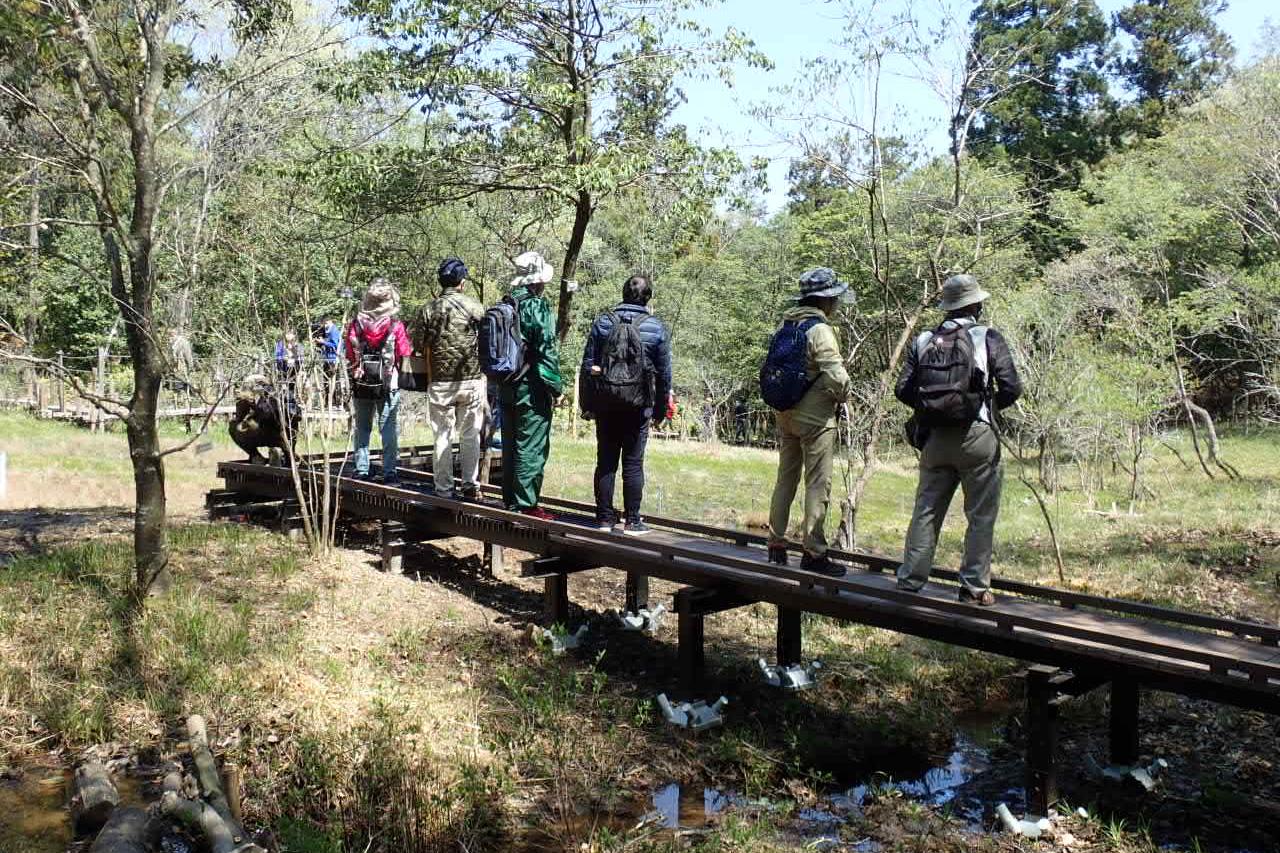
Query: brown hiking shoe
[[986, 598]]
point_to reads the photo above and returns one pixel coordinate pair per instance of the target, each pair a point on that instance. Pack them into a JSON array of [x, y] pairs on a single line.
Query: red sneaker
[[538, 513]]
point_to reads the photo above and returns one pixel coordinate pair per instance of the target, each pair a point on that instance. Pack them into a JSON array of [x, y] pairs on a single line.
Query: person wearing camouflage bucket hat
[[806, 421], [956, 378], [821, 281]]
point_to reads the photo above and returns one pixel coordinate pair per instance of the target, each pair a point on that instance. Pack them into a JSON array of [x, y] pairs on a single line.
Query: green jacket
[[542, 349], [825, 368], [449, 328]]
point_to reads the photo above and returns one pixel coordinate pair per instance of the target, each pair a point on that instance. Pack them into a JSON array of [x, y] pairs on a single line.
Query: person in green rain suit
[[527, 402]]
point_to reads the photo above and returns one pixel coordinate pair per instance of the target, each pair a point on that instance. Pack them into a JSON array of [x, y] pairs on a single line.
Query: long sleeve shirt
[[824, 368]]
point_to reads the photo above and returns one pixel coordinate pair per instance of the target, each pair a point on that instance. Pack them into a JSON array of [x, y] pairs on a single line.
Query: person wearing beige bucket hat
[[956, 378], [376, 344]]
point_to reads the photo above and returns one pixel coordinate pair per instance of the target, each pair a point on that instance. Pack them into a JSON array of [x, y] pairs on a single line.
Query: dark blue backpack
[[500, 342], [783, 376]]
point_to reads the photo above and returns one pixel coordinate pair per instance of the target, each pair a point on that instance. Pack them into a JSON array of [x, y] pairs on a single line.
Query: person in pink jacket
[[377, 343]]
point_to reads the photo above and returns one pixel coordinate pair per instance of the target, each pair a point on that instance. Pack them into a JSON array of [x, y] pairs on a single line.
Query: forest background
[[183, 181]]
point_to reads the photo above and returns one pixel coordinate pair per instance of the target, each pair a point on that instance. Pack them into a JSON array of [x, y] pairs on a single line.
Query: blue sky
[[790, 32]]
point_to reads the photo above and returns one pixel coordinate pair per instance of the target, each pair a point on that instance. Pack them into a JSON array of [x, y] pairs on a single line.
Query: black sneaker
[[470, 494], [635, 528], [778, 554], [822, 565], [391, 480]]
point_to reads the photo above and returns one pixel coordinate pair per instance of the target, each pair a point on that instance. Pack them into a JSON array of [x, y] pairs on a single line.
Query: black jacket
[[1002, 375], [657, 343]]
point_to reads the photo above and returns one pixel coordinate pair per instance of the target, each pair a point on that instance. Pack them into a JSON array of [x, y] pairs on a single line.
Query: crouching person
[[948, 380], [265, 416], [456, 393], [625, 383], [804, 380], [376, 345]]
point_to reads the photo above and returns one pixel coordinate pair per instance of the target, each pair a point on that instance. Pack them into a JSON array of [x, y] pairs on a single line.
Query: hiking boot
[[986, 598], [635, 528], [391, 480], [470, 494], [822, 565], [538, 513], [778, 554]]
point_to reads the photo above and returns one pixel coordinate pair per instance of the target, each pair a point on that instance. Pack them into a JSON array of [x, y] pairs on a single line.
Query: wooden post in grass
[[789, 636], [62, 368], [1042, 739], [691, 647], [392, 546], [555, 597], [637, 593], [1124, 722]]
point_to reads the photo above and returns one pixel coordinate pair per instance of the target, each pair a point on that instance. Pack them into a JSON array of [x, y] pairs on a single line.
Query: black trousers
[[620, 436]]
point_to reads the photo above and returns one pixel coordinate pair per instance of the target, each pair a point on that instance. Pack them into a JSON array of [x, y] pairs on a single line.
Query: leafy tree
[[559, 104], [101, 86], [1044, 107], [1180, 54]]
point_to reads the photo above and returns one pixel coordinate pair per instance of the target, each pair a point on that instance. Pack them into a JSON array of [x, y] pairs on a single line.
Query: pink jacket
[[374, 333]]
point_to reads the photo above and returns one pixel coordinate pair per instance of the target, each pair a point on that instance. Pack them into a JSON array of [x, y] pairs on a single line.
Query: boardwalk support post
[[392, 546], [492, 559], [691, 650], [555, 596], [1124, 722], [789, 636], [637, 593], [289, 522], [1042, 738]]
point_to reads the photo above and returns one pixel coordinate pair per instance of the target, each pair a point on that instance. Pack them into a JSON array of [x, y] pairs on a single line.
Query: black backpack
[[501, 343], [378, 362], [784, 378], [949, 386], [625, 382]]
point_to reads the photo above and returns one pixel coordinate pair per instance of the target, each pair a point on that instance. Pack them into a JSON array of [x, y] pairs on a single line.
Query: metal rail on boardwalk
[[1099, 640]]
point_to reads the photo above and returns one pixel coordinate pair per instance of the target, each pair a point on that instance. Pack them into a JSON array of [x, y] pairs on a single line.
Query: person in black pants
[[625, 385]]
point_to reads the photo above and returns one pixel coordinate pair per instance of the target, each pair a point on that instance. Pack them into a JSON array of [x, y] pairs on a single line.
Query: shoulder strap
[[979, 336]]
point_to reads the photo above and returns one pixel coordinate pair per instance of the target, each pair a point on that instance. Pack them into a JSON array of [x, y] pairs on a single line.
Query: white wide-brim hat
[[531, 268]]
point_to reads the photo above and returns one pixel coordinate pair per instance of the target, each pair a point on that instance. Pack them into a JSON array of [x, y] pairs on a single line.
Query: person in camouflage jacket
[[456, 394]]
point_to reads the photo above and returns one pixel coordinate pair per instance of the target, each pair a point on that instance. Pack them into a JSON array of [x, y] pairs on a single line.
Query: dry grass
[[328, 679]]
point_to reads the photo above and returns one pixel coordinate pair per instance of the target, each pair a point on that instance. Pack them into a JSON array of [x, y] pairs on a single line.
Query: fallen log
[[125, 832], [94, 797], [213, 816]]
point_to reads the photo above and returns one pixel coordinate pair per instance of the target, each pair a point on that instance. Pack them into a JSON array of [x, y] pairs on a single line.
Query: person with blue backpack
[[804, 380], [520, 352], [956, 378], [624, 384]]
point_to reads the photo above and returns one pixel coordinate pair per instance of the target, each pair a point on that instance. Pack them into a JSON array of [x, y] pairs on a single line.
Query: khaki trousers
[[968, 457], [456, 411], [811, 450]]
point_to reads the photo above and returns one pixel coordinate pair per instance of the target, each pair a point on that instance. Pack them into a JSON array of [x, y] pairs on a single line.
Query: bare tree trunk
[[583, 209]]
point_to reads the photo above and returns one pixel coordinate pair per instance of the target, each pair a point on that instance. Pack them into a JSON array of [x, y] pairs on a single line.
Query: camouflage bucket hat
[[821, 281]]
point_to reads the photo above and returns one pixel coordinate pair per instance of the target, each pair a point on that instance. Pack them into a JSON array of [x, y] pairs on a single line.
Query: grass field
[[416, 716]]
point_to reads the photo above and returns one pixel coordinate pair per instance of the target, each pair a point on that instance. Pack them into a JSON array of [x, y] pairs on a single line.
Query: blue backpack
[[783, 376], [501, 343]]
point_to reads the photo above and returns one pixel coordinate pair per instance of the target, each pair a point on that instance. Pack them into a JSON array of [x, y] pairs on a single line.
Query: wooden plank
[[671, 556]]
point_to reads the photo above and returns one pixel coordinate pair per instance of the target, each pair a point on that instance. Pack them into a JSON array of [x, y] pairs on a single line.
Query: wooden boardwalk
[[1079, 641]]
